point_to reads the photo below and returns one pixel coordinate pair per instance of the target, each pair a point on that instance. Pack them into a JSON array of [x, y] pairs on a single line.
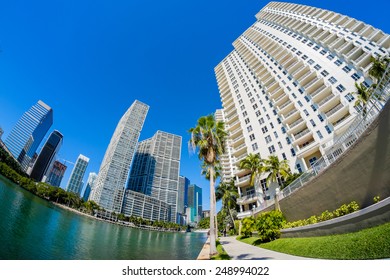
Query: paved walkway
[[238, 250]]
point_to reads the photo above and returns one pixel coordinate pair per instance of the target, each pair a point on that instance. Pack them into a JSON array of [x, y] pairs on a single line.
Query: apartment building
[[288, 87]]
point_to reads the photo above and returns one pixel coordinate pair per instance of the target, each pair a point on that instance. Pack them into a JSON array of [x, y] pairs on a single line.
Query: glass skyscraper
[[194, 210], [28, 133], [76, 177], [114, 170], [46, 157], [56, 174], [155, 170]]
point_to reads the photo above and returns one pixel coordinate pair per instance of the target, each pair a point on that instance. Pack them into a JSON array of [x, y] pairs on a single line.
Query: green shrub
[[268, 225], [247, 226], [376, 199], [326, 215]]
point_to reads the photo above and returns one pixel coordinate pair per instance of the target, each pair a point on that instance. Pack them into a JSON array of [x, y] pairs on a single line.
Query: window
[[312, 161], [254, 147], [276, 134], [310, 61], [320, 117], [319, 134], [355, 76], [284, 156], [280, 145], [283, 130], [244, 114], [346, 69], [312, 123], [264, 129], [247, 121], [349, 97], [252, 137], [255, 107], [242, 107], [338, 62], [271, 149], [292, 152], [279, 121], [298, 167], [288, 140], [317, 67], [249, 128], [258, 113], [267, 139], [307, 98], [267, 117], [306, 112], [261, 121], [314, 107], [323, 52], [340, 88], [328, 129], [324, 73], [300, 103], [271, 124], [332, 80]]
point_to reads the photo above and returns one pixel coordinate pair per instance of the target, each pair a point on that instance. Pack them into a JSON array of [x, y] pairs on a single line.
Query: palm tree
[[227, 192], [363, 94], [254, 164], [378, 68], [277, 170], [208, 136]]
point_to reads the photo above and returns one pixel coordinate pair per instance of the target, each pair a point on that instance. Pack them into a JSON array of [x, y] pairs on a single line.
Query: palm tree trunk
[[215, 215], [231, 216], [213, 248]]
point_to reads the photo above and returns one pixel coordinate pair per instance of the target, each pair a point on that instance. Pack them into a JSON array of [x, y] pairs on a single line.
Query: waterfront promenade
[[241, 251]]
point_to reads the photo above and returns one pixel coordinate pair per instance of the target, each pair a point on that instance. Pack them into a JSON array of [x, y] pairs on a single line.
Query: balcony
[[244, 180], [307, 78], [296, 125], [281, 98], [250, 198], [336, 112], [302, 136], [318, 93], [328, 102], [276, 93], [238, 140], [312, 83], [285, 106], [289, 115]]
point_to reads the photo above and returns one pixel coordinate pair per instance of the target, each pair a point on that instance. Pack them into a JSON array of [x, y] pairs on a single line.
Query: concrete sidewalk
[[238, 250]]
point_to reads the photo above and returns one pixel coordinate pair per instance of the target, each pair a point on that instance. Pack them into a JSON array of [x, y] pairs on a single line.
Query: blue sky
[[89, 60]]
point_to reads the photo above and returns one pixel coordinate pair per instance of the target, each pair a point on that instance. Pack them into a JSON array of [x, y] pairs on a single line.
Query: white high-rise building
[[76, 177], [288, 86], [114, 170]]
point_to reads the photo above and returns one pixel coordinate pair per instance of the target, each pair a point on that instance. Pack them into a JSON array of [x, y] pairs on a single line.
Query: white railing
[[290, 113], [317, 91], [333, 110], [323, 101]]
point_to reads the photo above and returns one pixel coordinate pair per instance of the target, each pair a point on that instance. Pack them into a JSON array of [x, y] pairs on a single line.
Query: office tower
[[155, 170], [76, 177], [194, 214], [46, 157], [90, 185], [1, 132], [114, 170], [56, 173], [28, 133], [182, 199], [288, 86]]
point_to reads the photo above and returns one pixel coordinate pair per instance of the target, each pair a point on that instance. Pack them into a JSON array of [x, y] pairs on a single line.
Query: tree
[[208, 137], [277, 170], [227, 192], [254, 164], [378, 67], [363, 95]]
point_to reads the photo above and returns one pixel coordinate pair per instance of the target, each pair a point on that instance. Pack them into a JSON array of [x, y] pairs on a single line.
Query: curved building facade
[[288, 87], [114, 170]]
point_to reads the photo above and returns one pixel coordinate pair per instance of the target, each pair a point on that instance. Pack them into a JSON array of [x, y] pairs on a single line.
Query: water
[[32, 228]]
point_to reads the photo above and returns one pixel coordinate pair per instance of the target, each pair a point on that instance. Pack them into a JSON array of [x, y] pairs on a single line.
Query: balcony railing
[[317, 91], [297, 122], [334, 110], [290, 113], [323, 101], [243, 179], [301, 133]]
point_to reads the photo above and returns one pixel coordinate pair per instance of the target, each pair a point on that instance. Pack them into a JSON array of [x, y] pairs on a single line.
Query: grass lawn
[[372, 243], [221, 253]]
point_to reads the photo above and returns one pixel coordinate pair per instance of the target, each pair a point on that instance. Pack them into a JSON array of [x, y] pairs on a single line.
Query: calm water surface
[[32, 228]]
